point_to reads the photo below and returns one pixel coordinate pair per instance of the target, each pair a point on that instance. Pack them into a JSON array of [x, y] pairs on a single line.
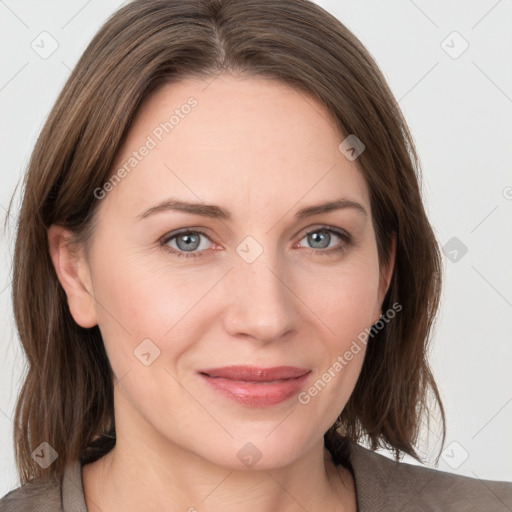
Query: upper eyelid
[[337, 231]]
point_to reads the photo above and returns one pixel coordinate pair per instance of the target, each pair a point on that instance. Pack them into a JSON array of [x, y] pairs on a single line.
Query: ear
[[386, 273], [74, 275]]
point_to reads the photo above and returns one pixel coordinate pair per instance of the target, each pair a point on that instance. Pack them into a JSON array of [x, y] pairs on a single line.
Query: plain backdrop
[[449, 65]]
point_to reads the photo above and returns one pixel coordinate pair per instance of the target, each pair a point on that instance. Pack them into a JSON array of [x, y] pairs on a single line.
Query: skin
[[261, 150]]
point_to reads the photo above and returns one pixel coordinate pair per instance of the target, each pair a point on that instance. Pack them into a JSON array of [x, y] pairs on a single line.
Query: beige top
[[382, 485]]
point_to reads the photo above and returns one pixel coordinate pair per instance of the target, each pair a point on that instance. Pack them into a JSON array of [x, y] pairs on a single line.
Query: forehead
[[230, 138]]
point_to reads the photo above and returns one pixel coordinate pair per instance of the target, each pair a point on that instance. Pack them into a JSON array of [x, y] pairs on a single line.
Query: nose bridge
[[262, 306]]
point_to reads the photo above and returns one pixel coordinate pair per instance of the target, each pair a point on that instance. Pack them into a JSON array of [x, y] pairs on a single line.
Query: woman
[[225, 277]]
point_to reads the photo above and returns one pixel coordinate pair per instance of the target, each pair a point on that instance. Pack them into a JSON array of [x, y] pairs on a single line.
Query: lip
[[256, 387]]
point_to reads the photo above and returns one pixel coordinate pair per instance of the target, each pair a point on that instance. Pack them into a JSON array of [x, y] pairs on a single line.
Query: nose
[[263, 305]]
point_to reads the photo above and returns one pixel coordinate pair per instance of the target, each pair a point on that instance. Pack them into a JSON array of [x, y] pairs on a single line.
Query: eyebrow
[[216, 212]]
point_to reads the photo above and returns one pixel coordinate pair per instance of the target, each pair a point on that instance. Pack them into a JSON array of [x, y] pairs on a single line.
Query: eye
[[321, 237], [187, 243], [183, 242]]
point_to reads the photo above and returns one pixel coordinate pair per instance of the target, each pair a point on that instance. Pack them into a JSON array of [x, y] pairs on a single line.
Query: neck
[[133, 477]]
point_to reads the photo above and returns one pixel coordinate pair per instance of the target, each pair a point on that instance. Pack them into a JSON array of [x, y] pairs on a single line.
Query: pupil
[[189, 241], [319, 237]]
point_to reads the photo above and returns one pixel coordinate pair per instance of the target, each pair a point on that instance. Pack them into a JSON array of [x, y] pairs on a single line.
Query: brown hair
[[67, 396]]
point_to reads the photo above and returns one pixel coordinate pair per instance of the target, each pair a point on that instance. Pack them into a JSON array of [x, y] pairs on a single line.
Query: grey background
[[459, 110]]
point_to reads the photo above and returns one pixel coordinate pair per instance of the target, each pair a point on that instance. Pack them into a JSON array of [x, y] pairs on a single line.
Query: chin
[[258, 451]]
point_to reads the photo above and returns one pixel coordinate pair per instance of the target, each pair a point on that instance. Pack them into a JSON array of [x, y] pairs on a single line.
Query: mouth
[[256, 387]]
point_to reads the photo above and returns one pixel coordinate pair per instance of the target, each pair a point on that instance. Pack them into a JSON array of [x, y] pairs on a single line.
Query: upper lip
[[255, 374]]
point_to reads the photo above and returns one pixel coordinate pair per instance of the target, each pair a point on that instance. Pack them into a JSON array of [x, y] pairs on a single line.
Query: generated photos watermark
[[342, 360], [152, 140]]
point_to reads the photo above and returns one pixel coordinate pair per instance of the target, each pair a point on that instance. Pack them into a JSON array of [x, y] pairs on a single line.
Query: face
[[179, 293]]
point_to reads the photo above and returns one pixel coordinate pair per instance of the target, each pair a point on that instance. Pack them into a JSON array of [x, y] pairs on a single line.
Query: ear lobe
[[74, 275]]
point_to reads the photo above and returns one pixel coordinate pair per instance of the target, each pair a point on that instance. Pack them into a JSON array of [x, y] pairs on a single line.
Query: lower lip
[[257, 394]]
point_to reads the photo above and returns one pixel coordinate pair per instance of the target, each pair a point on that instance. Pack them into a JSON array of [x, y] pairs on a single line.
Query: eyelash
[[324, 252]]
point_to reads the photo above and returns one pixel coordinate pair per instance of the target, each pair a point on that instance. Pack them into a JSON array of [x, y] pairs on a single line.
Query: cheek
[[346, 307], [181, 310], [344, 298], [137, 302], [169, 304]]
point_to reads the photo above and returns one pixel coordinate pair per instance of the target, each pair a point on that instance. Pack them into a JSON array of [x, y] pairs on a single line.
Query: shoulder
[[37, 494], [45, 495], [55, 495], [383, 484]]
